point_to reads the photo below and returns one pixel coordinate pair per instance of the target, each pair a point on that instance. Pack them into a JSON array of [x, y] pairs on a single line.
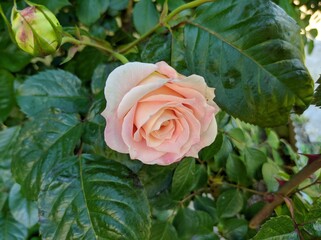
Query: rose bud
[[157, 115], [37, 31]]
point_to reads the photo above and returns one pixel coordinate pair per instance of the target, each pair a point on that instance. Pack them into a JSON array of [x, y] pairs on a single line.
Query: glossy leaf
[[53, 88], [158, 48], [317, 94], [184, 177], [252, 53], [253, 159], [278, 228], [201, 224], [89, 12], [235, 228], [145, 16], [10, 229], [236, 170], [6, 94], [207, 205], [51, 136], [12, 58], [23, 210], [270, 172], [163, 231], [229, 203], [91, 197], [54, 6]]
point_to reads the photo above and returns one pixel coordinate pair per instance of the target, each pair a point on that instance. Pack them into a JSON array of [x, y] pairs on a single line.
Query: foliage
[[58, 180]]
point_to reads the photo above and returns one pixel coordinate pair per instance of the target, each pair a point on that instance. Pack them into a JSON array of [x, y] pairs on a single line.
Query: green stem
[[164, 22], [8, 23], [99, 44], [284, 191]]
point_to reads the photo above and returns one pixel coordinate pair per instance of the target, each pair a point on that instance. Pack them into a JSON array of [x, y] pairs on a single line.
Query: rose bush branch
[[284, 191], [163, 22], [96, 43]]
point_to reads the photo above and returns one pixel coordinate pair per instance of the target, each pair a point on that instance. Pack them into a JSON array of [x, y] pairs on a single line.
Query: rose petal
[[122, 80], [167, 70]]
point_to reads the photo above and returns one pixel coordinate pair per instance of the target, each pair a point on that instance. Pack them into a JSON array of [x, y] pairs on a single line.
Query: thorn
[[281, 181], [311, 157], [269, 197]]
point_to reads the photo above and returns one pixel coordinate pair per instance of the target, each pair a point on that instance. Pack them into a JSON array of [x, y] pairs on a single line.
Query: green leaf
[[23, 210], [54, 6], [118, 4], [229, 203], [207, 205], [207, 153], [12, 58], [158, 48], [52, 88], [91, 197], [183, 179], [10, 229], [6, 94], [145, 16], [236, 170], [278, 228], [270, 172], [251, 51], [51, 136], [189, 223], [156, 178], [317, 94], [237, 137], [89, 12], [253, 159], [163, 231], [100, 75], [234, 228], [273, 139]]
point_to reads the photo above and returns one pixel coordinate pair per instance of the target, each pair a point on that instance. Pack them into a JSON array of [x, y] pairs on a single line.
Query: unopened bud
[[37, 31]]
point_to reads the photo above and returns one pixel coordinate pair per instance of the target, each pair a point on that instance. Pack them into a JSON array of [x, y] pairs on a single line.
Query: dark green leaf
[[118, 4], [53, 88], [8, 138], [6, 94], [145, 16], [251, 51], [208, 153], [51, 136], [279, 228], [229, 203], [12, 58], [235, 229], [89, 12], [222, 155], [178, 52], [189, 223], [253, 159], [236, 170], [91, 197], [54, 6], [156, 178], [100, 75], [158, 48], [183, 179], [163, 231], [23, 210], [317, 94], [207, 205], [10, 229]]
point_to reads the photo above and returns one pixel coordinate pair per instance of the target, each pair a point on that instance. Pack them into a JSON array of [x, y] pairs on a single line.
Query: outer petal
[[122, 80], [167, 70]]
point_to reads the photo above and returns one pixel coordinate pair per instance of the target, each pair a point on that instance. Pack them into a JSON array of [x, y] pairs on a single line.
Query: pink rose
[[157, 115]]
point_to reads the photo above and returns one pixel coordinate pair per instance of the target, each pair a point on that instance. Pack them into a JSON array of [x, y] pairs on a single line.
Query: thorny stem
[[164, 22], [284, 191]]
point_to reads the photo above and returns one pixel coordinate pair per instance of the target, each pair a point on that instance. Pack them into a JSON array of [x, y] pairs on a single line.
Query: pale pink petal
[[167, 70], [122, 80], [112, 134]]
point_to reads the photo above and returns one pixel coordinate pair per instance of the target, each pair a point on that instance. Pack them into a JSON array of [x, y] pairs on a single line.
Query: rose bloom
[[157, 115]]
